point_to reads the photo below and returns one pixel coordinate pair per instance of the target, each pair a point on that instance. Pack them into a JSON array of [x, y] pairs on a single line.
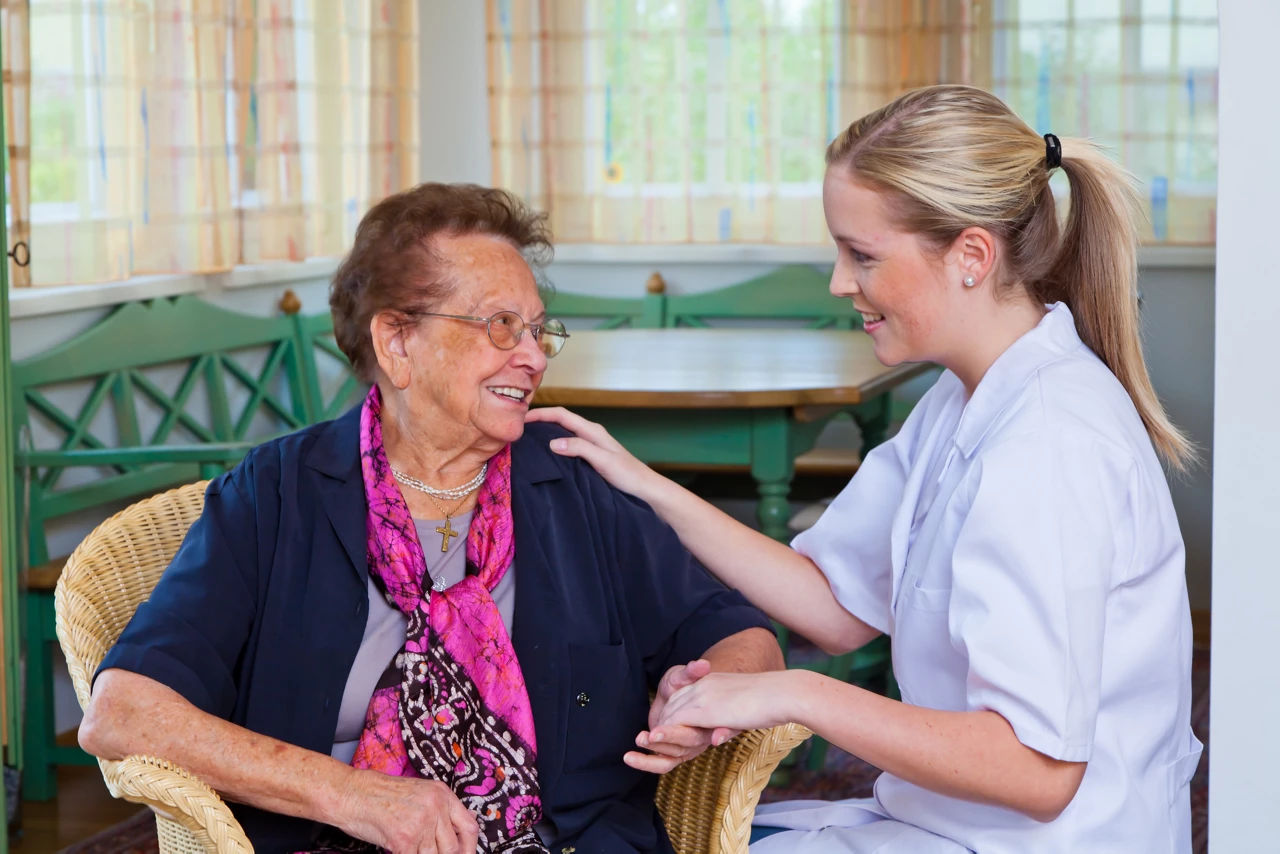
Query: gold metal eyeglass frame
[[550, 334]]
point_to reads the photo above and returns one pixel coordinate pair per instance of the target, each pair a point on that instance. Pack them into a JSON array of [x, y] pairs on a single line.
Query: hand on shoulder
[[592, 443]]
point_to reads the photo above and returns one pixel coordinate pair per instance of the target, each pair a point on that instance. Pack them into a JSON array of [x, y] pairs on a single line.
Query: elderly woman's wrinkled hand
[[669, 746], [408, 815]]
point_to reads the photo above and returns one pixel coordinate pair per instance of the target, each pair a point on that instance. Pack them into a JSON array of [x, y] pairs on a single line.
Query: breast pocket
[[922, 648], [607, 706], [928, 599]]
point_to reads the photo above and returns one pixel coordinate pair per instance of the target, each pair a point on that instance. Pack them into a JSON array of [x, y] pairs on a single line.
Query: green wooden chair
[[796, 293], [331, 387], [155, 395], [647, 312]]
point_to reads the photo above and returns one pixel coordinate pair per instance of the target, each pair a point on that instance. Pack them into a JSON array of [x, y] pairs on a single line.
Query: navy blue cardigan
[[259, 617]]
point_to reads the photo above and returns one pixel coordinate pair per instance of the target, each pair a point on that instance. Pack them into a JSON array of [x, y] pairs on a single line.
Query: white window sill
[[1158, 257], [690, 253], [32, 302], [1172, 257]]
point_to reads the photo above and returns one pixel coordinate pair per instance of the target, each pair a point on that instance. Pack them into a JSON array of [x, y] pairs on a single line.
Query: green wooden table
[[755, 398]]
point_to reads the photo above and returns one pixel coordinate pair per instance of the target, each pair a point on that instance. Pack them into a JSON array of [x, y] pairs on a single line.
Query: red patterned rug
[[843, 776], [136, 835]]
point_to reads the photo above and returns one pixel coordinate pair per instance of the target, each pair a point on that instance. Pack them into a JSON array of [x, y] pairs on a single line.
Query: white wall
[[454, 108], [1244, 786]]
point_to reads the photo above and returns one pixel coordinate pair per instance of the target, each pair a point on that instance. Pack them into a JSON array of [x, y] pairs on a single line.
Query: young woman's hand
[[668, 746], [736, 701], [593, 443]]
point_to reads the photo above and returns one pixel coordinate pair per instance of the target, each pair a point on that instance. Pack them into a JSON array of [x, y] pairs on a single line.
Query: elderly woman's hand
[[407, 815], [606, 455], [671, 745]]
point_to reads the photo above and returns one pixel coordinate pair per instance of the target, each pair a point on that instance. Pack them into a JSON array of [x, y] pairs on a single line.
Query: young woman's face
[[900, 289]]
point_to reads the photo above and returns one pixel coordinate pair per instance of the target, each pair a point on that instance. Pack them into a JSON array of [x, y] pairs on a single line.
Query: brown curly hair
[[392, 265]]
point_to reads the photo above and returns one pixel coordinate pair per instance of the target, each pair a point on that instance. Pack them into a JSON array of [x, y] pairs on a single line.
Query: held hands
[[671, 745], [593, 443], [734, 701], [407, 815]]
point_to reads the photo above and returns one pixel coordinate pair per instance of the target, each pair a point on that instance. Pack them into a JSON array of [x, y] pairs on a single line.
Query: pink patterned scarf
[[460, 713]]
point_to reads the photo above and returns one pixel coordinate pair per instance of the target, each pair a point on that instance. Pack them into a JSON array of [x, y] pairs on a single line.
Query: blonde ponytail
[[1096, 274], [954, 157]]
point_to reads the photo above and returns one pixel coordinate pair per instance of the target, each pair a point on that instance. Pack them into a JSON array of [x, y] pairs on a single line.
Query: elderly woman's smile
[[457, 382]]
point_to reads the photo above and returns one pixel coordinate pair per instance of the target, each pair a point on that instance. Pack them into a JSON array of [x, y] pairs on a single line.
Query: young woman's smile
[[886, 273]]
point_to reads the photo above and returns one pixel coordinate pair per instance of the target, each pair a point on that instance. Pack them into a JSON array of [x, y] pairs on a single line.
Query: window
[[1140, 76], [705, 121], [195, 135]]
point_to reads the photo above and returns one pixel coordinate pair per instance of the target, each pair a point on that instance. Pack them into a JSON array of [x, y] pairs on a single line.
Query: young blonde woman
[[1016, 538]]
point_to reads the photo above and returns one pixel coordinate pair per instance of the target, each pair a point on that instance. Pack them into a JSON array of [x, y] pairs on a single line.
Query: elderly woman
[[415, 628]]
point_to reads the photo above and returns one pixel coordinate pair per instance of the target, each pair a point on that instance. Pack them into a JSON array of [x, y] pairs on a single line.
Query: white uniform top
[[1021, 549]]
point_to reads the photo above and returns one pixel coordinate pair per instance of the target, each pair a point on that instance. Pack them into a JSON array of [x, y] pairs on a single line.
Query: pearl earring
[[969, 281]]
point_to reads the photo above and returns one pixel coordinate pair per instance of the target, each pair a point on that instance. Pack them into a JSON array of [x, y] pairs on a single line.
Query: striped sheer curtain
[[162, 136], [705, 121], [1139, 76]]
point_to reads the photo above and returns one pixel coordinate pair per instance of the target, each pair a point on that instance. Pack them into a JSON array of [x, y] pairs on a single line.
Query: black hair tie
[[1052, 152]]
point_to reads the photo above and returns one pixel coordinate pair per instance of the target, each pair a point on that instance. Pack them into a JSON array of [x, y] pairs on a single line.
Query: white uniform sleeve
[[1050, 526], [850, 542]]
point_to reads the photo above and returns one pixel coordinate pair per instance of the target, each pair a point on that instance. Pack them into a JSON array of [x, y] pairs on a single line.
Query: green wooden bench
[[646, 312], [331, 387], [797, 293], [157, 394]]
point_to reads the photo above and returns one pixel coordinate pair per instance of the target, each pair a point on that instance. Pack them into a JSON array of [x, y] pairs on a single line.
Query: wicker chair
[[707, 804]]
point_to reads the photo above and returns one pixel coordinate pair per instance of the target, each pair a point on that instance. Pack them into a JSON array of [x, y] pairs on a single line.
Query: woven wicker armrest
[[178, 798], [707, 804]]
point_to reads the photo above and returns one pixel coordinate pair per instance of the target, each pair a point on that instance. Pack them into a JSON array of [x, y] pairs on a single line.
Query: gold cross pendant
[[446, 532]]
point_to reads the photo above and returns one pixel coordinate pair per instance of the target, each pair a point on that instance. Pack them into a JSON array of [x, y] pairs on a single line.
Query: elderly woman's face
[[461, 380]]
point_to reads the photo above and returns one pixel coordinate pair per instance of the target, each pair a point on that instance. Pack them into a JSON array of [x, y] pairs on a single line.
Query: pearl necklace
[[446, 530], [447, 494]]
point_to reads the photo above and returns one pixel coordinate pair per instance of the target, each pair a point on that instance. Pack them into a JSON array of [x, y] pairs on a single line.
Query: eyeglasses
[[506, 328]]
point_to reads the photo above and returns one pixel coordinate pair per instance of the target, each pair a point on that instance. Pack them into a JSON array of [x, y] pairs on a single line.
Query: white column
[[454, 91], [1244, 783]]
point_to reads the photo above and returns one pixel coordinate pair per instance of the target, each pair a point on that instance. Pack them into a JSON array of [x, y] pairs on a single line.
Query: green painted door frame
[[8, 526]]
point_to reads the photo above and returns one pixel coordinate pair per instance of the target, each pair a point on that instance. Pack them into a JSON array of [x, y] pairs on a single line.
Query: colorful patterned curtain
[[705, 122], [1140, 77], [15, 76], [163, 136]]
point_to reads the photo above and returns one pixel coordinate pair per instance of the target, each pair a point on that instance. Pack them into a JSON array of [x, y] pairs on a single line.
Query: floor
[[83, 807]]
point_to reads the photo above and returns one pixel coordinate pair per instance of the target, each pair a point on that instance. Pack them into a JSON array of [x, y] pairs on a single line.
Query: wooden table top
[[719, 368]]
